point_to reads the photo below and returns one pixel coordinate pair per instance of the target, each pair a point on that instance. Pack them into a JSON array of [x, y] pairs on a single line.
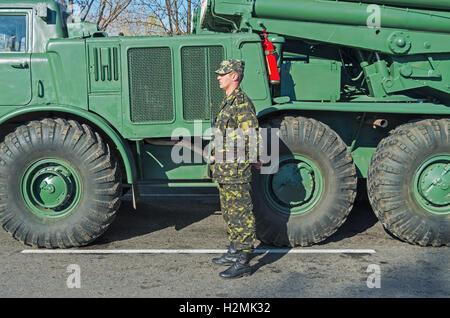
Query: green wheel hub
[[51, 188], [431, 186], [296, 187]]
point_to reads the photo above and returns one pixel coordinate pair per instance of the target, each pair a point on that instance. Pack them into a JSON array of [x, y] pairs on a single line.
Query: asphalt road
[[187, 220]]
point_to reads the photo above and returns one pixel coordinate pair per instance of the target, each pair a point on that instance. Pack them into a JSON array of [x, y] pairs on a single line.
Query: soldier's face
[[226, 80]]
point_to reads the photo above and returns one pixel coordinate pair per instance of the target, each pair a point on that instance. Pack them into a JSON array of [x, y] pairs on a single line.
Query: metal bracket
[[399, 42]]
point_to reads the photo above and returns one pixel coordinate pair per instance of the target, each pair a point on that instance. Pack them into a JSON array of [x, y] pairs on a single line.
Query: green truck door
[[15, 74]]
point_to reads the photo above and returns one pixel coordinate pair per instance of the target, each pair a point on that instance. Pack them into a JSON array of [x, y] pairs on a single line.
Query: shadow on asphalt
[[160, 209], [360, 219], [180, 208]]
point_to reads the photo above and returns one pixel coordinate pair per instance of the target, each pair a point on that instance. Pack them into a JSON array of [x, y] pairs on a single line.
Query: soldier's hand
[[257, 165]]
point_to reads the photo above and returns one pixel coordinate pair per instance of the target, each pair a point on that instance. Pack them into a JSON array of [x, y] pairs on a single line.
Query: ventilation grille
[[151, 87], [201, 93], [106, 65]]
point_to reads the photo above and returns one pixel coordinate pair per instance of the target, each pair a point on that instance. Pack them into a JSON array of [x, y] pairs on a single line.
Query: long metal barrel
[[425, 4], [341, 12]]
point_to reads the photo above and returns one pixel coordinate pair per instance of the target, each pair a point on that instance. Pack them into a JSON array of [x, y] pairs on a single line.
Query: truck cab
[[25, 28]]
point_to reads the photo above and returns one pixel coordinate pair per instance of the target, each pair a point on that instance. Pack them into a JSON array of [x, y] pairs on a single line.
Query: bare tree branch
[[139, 17], [189, 15], [87, 9]]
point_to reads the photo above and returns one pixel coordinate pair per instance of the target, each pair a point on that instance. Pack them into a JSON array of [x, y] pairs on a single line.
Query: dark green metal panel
[[158, 164], [108, 106], [66, 58], [325, 72], [151, 84], [255, 82]]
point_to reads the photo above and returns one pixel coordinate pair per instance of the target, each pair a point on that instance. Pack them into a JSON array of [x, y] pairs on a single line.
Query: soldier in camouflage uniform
[[235, 125]]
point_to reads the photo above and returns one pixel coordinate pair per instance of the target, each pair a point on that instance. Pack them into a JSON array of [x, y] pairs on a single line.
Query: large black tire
[[83, 170], [396, 167], [322, 147]]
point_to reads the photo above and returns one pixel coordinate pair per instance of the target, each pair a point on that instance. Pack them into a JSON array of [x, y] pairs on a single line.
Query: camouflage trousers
[[237, 210]]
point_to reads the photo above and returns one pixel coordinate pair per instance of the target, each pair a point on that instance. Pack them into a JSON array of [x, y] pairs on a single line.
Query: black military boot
[[228, 258], [240, 268]]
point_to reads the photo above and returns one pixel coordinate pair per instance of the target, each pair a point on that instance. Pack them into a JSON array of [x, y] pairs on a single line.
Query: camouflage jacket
[[236, 128]]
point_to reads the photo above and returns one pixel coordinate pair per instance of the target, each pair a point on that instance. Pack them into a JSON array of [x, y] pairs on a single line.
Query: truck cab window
[[13, 33]]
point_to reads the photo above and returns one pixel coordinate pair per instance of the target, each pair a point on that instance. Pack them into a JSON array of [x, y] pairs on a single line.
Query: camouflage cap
[[228, 66]]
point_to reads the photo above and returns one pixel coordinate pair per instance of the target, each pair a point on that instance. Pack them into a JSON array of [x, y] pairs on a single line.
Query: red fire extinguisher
[[274, 75]]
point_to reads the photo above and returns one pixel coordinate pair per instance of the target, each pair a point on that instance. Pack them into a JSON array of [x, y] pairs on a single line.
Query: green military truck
[[363, 93]]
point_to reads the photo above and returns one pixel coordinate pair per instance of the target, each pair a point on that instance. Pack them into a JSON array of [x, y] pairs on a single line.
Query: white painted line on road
[[314, 251], [180, 195], [200, 251], [175, 195]]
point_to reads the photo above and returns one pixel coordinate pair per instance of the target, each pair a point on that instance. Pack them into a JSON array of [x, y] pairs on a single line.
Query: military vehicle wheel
[[59, 184], [409, 182], [310, 195]]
